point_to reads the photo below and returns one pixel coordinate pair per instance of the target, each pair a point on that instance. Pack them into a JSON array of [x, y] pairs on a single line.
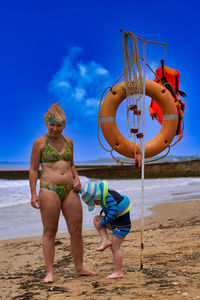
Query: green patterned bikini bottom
[[62, 190]]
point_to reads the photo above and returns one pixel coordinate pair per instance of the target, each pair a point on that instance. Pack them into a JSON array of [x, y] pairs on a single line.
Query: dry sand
[[171, 262]]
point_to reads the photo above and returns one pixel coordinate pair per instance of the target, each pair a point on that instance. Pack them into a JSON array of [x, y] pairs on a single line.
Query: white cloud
[[101, 71], [79, 94], [83, 70], [78, 85], [92, 103], [92, 106], [63, 84]]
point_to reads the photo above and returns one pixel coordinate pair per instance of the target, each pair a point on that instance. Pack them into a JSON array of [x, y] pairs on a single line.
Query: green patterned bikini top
[[51, 155]]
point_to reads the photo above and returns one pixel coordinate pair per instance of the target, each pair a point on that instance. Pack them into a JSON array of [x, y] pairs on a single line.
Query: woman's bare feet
[[115, 275], [85, 272], [104, 246], [48, 278]]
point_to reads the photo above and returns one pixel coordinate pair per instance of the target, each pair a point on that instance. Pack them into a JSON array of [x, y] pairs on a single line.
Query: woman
[[59, 184]]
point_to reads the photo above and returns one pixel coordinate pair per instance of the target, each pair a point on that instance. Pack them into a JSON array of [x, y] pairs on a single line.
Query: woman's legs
[[106, 242], [72, 211], [116, 243], [50, 210]]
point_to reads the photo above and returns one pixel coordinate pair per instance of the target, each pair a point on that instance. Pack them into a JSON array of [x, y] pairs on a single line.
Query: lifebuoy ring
[[122, 145]]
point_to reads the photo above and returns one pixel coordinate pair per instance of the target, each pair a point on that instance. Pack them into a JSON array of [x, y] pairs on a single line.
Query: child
[[117, 218]]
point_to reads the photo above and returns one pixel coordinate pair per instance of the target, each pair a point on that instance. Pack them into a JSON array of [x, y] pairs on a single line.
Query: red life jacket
[[171, 80]]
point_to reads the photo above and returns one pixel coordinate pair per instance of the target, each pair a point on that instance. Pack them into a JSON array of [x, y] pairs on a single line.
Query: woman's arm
[[33, 173], [76, 181]]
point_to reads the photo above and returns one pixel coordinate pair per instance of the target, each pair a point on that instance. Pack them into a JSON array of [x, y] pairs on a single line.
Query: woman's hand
[[35, 202], [76, 185]]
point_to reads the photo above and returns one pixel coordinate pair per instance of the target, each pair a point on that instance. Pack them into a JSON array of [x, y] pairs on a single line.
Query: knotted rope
[[132, 70]]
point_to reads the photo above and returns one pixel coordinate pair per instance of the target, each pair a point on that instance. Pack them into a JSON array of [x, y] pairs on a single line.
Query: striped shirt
[[110, 211]]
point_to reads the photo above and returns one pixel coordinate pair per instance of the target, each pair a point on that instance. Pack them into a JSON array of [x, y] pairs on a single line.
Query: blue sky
[[69, 51]]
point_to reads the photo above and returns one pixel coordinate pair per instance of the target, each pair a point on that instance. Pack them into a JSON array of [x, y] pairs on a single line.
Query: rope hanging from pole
[[134, 78]]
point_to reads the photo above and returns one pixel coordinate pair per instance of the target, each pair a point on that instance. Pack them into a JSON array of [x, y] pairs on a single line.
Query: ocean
[[26, 165], [19, 219]]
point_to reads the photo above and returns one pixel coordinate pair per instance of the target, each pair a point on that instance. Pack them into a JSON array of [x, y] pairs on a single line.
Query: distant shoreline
[[24, 165], [156, 170]]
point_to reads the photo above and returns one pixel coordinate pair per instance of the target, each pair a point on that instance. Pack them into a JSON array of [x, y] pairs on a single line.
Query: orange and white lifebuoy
[[122, 145]]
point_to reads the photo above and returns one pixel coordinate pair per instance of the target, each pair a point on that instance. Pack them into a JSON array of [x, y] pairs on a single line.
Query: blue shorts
[[121, 226]]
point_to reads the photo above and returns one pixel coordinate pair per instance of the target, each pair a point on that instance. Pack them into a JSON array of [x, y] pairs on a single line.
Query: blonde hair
[[55, 113]]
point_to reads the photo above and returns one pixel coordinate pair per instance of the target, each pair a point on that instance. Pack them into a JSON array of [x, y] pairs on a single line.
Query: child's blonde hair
[[55, 113]]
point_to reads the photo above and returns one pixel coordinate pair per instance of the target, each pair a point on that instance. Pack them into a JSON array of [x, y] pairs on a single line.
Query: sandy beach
[[171, 262]]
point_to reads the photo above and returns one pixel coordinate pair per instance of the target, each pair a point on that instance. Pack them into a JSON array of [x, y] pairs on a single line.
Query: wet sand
[[171, 262]]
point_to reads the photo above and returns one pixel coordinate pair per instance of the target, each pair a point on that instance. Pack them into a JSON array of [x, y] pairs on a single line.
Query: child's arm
[[112, 211]]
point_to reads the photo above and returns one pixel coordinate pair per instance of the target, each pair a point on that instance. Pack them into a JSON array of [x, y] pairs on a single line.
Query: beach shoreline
[[19, 219], [170, 262]]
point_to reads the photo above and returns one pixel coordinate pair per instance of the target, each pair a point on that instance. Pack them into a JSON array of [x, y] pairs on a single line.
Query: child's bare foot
[[48, 278], [104, 245], [115, 275]]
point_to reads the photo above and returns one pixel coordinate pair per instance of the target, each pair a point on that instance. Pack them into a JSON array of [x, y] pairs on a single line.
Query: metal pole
[[143, 156]]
